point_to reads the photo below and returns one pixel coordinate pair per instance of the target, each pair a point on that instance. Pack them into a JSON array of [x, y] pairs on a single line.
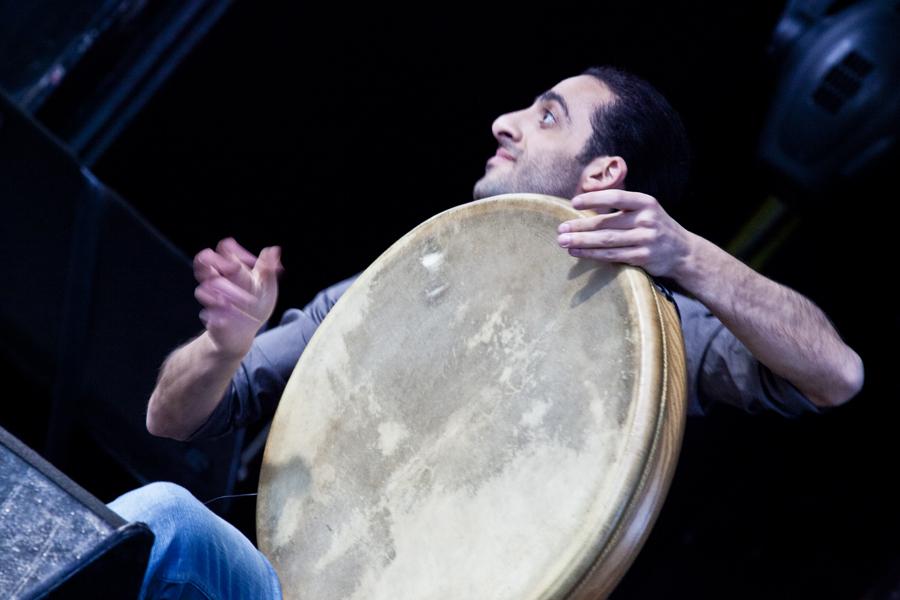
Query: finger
[[219, 294], [208, 263], [635, 256], [227, 319], [207, 297], [234, 293], [231, 249], [606, 238], [604, 201], [214, 318], [617, 220], [217, 309], [203, 271]]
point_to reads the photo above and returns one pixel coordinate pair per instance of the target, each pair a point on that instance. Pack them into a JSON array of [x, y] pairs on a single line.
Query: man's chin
[[487, 187]]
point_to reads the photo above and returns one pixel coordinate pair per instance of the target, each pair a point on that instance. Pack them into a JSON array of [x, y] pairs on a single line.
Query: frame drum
[[480, 416]]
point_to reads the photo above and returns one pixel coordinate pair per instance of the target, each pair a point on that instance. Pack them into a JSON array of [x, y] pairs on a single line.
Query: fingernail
[[564, 228], [575, 251], [564, 240], [576, 201]]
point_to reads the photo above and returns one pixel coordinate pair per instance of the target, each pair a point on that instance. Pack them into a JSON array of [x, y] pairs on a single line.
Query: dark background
[[332, 128]]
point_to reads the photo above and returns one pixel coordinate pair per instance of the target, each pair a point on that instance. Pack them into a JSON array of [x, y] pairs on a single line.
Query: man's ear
[[603, 173]]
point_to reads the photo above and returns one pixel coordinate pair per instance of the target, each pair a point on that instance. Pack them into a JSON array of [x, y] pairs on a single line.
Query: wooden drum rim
[[643, 509]]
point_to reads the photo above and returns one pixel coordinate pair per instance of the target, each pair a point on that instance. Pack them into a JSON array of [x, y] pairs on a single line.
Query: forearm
[[192, 381], [781, 328]]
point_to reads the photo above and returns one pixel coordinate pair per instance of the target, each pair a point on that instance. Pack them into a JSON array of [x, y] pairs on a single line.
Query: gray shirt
[[719, 367]]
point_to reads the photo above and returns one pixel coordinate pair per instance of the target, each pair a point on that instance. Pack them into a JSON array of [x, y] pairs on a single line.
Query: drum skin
[[480, 416]]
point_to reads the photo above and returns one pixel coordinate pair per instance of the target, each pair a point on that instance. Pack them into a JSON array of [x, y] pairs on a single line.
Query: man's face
[[539, 145]]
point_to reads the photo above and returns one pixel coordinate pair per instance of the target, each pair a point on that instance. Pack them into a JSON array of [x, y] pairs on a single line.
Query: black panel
[[93, 300]]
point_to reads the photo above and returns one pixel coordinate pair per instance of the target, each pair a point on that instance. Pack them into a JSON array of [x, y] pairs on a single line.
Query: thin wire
[[230, 496]]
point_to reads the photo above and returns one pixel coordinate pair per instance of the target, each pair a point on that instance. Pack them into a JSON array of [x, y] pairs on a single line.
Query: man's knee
[[180, 523], [154, 502]]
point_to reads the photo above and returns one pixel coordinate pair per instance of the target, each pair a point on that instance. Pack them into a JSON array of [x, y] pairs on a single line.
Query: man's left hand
[[630, 228]]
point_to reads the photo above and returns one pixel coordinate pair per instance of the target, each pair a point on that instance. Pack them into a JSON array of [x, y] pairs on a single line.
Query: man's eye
[[548, 118]]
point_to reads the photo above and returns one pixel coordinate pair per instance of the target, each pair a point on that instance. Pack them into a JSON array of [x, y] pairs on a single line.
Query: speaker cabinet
[[57, 540]]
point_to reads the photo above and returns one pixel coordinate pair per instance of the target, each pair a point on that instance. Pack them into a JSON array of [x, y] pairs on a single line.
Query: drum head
[[477, 417]]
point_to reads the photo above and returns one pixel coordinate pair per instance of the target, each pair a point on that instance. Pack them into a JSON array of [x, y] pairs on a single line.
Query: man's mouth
[[502, 155]]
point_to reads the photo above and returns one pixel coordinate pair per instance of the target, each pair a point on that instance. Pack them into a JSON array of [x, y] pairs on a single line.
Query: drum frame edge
[[634, 528]]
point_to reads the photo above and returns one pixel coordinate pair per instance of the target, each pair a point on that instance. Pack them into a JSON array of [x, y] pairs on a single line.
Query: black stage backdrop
[[332, 128]]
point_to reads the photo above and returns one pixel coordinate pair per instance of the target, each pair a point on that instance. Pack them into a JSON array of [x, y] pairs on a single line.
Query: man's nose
[[506, 127]]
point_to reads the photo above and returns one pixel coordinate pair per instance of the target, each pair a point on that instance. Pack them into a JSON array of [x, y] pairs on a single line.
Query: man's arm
[[784, 330], [238, 293]]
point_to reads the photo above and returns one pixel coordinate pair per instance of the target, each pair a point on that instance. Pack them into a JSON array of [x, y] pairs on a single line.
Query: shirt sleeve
[[257, 386], [721, 369]]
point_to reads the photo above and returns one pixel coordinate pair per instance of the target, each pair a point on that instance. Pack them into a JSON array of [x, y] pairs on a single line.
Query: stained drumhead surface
[[469, 421]]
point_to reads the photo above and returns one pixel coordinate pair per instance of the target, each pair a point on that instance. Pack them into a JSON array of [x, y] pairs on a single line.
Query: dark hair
[[642, 127]]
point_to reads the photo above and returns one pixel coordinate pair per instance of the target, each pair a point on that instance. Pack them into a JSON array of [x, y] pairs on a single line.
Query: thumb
[[269, 261], [267, 269], [265, 273]]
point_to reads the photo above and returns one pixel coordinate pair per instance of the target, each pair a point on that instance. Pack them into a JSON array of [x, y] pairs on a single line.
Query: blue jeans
[[196, 554]]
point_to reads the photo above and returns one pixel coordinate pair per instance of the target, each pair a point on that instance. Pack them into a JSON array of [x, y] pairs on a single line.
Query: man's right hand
[[238, 292]]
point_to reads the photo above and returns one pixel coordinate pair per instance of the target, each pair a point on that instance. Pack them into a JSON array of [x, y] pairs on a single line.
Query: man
[[605, 139]]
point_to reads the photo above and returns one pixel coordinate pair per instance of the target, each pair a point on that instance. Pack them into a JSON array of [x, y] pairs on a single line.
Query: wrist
[[226, 351], [690, 268], [705, 268]]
